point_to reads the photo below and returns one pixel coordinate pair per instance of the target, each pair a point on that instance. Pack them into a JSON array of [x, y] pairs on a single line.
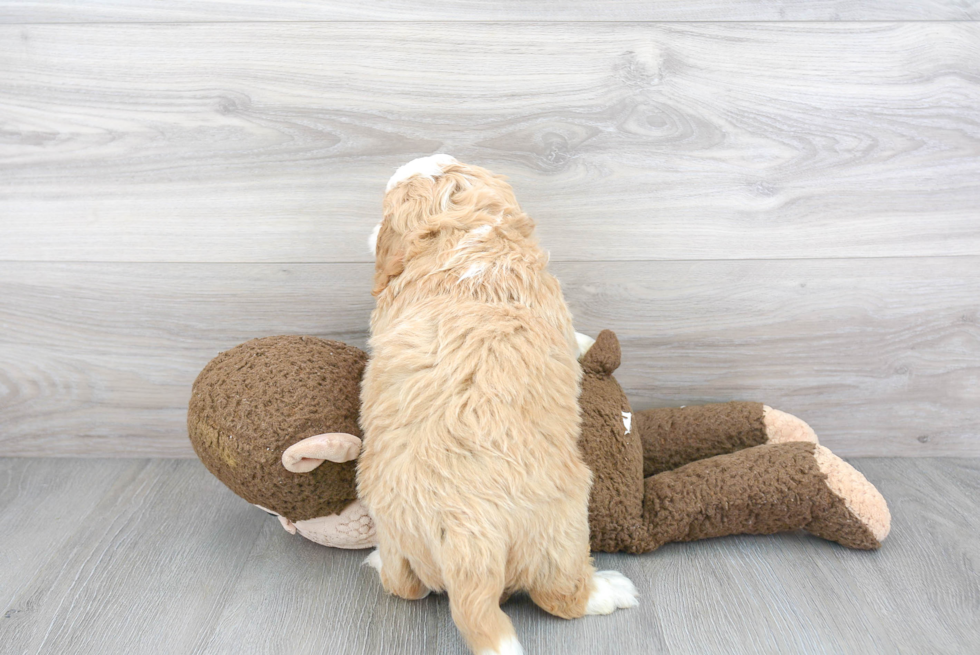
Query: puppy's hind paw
[[373, 560], [611, 590]]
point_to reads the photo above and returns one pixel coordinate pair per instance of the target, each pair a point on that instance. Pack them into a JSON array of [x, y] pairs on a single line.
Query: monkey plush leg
[[762, 490], [676, 436]]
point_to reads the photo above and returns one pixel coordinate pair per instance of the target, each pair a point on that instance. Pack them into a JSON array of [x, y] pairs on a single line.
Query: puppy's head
[[429, 203]]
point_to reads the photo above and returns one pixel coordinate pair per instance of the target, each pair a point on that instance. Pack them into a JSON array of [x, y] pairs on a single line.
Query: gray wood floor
[[153, 556]]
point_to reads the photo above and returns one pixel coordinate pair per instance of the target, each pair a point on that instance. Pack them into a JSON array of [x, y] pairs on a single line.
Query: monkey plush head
[[275, 419]]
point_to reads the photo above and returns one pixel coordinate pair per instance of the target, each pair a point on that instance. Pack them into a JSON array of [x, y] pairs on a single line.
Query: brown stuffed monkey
[[275, 419], [681, 474]]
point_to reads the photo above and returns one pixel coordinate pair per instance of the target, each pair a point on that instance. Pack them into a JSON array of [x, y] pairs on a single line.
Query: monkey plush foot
[[855, 514], [782, 427]]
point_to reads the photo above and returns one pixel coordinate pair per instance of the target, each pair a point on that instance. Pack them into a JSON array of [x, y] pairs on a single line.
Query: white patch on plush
[[430, 167], [627, 421], [509, 646], [373, 239], [611, 591], [584, 342]]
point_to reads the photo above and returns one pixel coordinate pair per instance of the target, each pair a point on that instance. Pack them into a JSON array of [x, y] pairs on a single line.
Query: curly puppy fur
[[470, 465]]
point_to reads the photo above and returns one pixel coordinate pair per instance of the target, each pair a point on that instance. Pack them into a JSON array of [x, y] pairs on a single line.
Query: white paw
[[611, 590], [374, 560], [509, 646]]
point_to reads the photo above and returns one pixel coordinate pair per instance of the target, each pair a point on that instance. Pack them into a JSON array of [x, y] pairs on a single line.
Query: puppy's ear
[[389, 258], [604, 356]]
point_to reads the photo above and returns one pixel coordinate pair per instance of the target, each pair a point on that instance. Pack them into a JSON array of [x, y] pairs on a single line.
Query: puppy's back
[[489, 391]]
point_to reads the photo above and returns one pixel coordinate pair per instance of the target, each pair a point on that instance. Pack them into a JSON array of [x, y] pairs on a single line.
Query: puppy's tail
[[474, 581]]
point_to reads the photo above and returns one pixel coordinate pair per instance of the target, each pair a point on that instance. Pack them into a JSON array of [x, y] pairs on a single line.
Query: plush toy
[[251, 403], [275, 419], [688, 473]]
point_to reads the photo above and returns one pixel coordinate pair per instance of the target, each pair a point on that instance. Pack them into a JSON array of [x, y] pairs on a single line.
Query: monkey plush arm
[[675, 436]]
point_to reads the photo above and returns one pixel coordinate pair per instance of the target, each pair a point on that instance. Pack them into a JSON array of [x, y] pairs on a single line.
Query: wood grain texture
[[264, 142], [161, 553], [138, 575], [48, 11], [43, 505], [880, 356], [100, 358]]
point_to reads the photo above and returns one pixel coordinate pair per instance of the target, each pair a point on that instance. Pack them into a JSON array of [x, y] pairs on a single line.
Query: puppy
[[470, 463]]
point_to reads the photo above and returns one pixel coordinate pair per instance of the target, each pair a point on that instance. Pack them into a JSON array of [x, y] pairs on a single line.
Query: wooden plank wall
[[766, 200]]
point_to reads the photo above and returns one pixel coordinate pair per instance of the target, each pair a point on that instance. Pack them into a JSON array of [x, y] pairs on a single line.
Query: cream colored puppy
[[470, 464]]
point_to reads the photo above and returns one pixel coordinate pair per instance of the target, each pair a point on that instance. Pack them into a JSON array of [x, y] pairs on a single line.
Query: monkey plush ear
[[604, 355], [304, 456]]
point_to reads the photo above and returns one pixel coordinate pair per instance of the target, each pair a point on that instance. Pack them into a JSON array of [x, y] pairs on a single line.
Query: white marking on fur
[[373, 239], [509, 646], [430, 167], [475, 270], [628, 421], [469, 241], [472, 238], [584, 342], [373, 560], [611, 591]]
